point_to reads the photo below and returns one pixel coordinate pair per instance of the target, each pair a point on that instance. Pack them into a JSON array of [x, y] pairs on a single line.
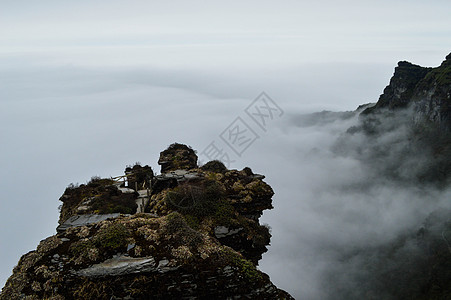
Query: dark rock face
[[402, 85], [199, 238], [427, 91]]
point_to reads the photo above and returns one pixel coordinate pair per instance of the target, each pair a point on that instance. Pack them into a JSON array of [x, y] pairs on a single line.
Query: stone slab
[[82, 220]]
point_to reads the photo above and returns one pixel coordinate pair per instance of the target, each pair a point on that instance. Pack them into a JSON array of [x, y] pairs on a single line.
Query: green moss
[[245, 267], [259, 187], [441, 75], [248, 269], [112, 237], [444, 76]]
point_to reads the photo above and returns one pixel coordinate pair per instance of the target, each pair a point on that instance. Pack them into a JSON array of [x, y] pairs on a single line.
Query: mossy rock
[[112, 237]]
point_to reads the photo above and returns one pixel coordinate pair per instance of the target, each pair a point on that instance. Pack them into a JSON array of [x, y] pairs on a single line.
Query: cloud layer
[[88, 88]]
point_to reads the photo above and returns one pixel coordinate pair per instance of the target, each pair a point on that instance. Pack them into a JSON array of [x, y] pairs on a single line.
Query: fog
[[86, 89], [345, 208], [64, 125]]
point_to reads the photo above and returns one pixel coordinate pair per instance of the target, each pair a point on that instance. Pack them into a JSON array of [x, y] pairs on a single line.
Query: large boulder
[[177, 156]]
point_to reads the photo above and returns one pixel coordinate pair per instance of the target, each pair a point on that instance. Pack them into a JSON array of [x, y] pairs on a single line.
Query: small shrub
[[197, 200]]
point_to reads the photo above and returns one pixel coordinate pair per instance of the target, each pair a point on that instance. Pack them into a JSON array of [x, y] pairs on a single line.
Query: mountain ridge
[[426, 90]]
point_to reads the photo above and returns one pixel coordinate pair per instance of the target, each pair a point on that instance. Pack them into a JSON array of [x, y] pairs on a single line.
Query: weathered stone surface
[[82, 220], [125, 265], [180, 175]]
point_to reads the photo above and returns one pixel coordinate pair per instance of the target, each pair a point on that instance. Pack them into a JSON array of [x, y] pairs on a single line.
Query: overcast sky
[[87, 87]]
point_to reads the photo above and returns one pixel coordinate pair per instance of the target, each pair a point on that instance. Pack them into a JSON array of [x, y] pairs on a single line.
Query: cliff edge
[[427, 91]]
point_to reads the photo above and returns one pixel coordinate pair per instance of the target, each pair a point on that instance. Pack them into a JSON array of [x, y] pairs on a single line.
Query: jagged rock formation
[[189, 233], [426, 90], [412, 116]]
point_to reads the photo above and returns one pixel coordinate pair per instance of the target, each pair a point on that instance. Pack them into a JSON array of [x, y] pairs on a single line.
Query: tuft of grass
[[197, 200]]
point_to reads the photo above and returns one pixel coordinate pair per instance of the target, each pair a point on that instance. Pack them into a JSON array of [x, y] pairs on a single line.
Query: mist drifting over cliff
[[355, 223]]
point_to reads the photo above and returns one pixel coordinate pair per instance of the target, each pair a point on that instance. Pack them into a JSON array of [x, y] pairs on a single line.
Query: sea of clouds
[[62, 124]]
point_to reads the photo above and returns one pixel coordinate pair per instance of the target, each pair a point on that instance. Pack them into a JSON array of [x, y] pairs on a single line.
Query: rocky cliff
[[411, 117], [427, 91], [188, 233], [404, 141]]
